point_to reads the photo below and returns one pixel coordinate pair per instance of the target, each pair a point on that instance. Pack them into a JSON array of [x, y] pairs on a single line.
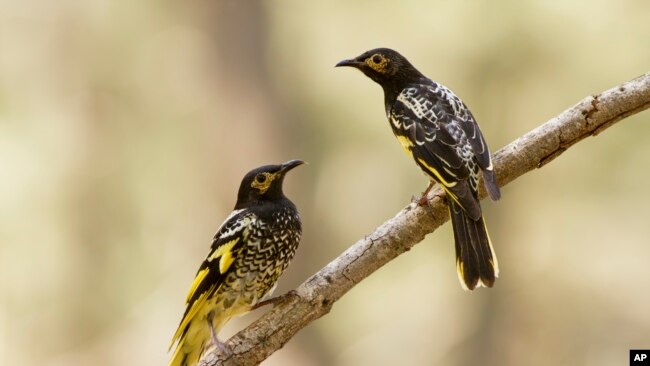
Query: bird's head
[[264, 183], [384, 66]]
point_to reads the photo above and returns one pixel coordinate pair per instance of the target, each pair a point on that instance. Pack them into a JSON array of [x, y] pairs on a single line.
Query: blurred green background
[[126, 126]]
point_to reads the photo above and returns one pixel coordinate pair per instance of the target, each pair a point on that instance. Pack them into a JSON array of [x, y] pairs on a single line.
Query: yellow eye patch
[[262, 181], [378, 63]]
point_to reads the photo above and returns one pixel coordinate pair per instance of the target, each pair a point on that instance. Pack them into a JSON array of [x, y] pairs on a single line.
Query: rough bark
[[315, 297]]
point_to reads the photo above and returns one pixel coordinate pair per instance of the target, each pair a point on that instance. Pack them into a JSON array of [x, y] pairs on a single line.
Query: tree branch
[[315, 297]]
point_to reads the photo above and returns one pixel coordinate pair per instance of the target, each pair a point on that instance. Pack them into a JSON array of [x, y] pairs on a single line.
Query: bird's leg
[[425, 196], [222, 346], [273, 300]]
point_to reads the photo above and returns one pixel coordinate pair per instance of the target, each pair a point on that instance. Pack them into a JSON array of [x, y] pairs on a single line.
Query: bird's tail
[[475, 259], [191, 345]]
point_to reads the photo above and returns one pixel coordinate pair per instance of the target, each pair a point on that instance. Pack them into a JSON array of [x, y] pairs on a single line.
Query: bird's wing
[[227, 244], [458, 111], [418, 118], [421, 118]]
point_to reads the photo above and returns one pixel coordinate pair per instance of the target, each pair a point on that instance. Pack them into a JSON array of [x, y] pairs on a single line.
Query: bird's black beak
[[285, 167], [350, 62]]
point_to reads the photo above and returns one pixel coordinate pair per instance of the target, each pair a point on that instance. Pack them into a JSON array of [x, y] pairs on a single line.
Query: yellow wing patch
[[406, 144], [195, 284], [226, 261], [178, 350], [443, 183], [435, 172], [224, 252], [196, 306]]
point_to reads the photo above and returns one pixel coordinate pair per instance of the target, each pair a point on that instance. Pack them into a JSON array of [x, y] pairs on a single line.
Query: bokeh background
[[126, 126]]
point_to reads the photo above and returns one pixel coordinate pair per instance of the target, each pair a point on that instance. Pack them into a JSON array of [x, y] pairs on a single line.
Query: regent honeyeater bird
[[249, 252], [439, 132]]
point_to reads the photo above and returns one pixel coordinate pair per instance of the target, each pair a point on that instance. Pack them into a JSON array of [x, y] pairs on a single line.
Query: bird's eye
[[260, 178], [376, 58]]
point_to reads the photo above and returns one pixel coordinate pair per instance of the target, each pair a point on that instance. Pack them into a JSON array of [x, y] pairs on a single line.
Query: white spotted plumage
[[248, 254], [437, 130]]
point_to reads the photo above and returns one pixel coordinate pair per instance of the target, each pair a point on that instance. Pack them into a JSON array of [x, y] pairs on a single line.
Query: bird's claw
[[424, 200]]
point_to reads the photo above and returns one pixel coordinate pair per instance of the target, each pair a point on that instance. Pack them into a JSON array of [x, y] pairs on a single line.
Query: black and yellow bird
[[439, 132], [249, 252]]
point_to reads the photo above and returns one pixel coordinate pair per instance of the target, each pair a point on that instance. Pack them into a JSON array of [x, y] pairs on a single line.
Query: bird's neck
[[274, 201], [392, 88], [390, 95]]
